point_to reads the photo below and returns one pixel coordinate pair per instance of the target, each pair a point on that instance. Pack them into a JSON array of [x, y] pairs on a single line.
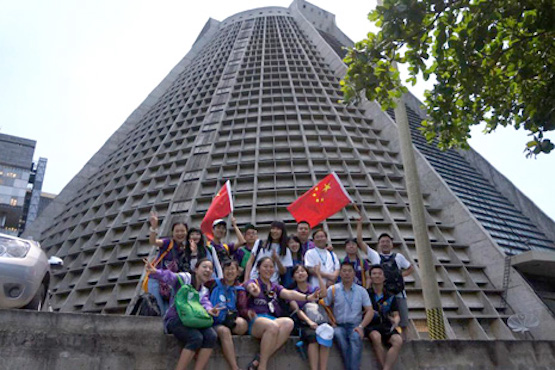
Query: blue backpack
[[225, 297]]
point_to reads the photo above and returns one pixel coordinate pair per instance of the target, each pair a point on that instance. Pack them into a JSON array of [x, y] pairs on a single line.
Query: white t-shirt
[[374, 258], [286, 260], [329, 263]]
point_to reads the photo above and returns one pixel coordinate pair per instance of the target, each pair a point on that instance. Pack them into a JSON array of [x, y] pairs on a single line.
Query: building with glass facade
[[17, 181]]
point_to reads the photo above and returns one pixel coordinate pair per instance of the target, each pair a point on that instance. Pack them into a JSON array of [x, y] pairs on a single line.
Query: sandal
[[253, 365]]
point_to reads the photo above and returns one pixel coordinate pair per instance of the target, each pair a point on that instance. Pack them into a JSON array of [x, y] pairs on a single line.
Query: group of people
[[275, 287]]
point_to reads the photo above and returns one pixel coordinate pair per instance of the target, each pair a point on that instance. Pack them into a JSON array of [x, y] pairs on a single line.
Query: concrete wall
[[320, 19], [16, 151], [59, 341]]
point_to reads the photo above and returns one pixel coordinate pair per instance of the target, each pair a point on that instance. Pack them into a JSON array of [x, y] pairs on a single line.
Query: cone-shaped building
[[255, 102]]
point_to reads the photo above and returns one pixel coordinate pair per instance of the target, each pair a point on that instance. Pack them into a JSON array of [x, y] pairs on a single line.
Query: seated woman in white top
[[328, 260]]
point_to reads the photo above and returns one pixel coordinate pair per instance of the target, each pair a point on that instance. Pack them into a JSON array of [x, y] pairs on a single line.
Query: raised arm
[[360, 240], [153, 231], [240, 238], [248, 267], [166, 276], [371, 254]]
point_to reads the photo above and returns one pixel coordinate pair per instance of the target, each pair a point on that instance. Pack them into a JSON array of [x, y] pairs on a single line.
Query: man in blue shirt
[[349, 301]]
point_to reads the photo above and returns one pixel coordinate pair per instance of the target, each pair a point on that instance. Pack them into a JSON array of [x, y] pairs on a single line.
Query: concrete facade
[[61, 341], [256, 102]]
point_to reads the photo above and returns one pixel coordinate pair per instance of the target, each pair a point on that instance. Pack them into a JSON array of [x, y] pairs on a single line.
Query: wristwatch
[[153, 230]]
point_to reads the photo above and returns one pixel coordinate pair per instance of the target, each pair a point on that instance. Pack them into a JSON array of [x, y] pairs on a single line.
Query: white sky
[[72, 71]]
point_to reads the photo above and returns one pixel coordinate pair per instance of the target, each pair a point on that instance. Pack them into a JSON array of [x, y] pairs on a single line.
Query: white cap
[[217, 222], [324, 335]]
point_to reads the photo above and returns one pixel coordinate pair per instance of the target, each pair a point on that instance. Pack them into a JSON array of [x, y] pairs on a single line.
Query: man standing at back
[[243, 253], [224, 250], [395, 267], [303, 233]]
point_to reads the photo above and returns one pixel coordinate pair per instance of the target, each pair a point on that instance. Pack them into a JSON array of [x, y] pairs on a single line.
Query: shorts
[[308, 335], [191, 338], [265, 315], [384, 330], [403, 310]]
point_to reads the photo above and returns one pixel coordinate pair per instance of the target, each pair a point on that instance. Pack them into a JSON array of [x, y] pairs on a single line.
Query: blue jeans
[[154, 289], [350, 345]]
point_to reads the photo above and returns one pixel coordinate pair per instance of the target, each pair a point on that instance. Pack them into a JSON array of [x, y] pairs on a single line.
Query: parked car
[[24, 273]]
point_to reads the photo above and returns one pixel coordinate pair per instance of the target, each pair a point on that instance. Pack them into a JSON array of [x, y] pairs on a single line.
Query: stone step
[[67, 341]]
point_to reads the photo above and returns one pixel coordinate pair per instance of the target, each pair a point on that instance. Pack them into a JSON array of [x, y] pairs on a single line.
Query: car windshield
[[13, 247]]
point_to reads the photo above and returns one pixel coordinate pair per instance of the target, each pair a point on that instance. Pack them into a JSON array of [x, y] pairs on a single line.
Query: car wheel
[[38, 299]]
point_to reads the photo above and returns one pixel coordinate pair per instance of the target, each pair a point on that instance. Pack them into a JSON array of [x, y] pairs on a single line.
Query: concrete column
[[430, 289]]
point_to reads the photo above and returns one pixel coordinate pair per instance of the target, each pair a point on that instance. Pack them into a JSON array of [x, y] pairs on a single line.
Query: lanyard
[[358, 263], [349, 301], [269, 296], [324, 260]]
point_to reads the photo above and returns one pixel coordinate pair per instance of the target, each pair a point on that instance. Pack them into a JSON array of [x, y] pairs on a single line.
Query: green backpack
[[188, 307]]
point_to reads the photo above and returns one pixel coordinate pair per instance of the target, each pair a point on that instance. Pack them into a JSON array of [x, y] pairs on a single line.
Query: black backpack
[[146, 305], [394, 282]]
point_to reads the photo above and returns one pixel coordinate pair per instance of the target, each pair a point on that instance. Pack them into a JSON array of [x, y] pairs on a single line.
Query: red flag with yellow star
[[222, 205], [324, 199]]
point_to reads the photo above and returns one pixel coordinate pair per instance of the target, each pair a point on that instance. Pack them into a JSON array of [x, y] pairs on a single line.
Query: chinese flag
[[222, 205], [323, 200]]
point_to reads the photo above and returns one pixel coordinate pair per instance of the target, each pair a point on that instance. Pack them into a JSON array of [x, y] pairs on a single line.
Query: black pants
[[191, 338]]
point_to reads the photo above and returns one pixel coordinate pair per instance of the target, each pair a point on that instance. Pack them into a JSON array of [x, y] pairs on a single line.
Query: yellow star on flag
[[326, 188]]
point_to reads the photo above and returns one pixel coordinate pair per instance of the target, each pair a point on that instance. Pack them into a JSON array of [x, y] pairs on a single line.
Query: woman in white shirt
[[328, 261], [275, 247]]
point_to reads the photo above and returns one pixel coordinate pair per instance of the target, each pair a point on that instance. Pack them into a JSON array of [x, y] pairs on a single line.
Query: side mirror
[[56, 262]]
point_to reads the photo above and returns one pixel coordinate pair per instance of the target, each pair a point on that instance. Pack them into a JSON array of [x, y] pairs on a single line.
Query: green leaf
[[493, 61]]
